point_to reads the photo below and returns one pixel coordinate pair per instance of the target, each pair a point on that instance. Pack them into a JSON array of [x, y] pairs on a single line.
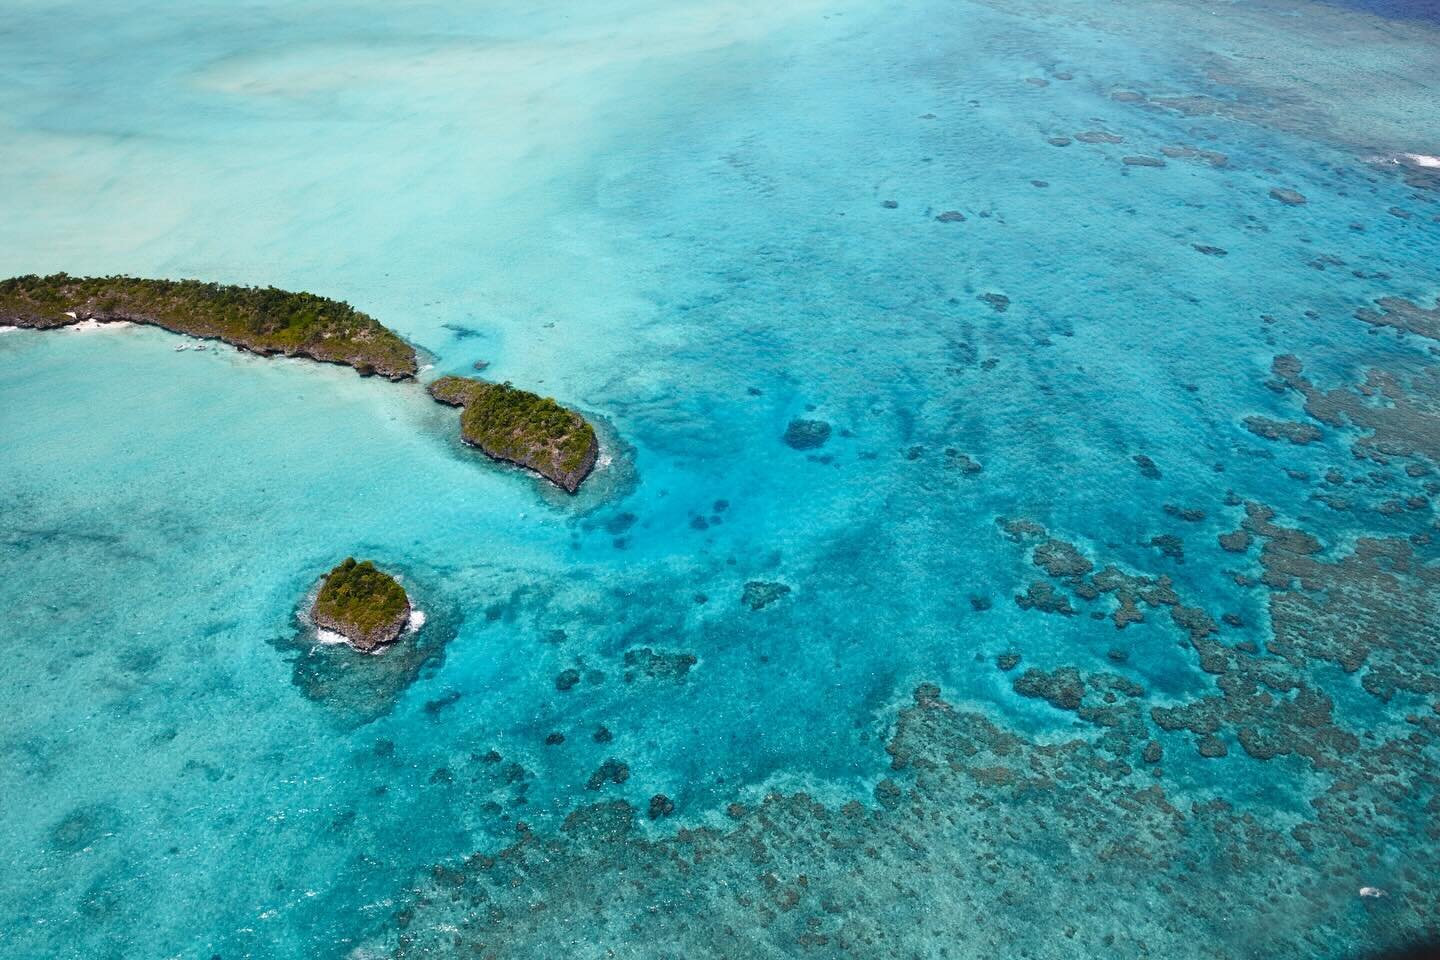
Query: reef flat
[[971, 811], [263, 320], [362, 603], [979, 812], [523, 428]]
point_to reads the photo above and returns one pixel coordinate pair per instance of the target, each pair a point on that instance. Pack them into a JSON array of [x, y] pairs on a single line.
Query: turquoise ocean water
[[698, 222]]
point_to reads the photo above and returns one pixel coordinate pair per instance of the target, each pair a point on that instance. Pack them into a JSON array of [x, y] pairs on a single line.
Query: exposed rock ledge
[[263, 320], [522, 428]]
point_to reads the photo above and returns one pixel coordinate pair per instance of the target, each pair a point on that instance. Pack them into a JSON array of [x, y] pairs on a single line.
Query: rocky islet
[[361, 603], [517, 426]]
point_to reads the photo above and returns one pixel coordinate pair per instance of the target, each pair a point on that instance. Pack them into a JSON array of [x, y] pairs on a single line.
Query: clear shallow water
[[678, 218]]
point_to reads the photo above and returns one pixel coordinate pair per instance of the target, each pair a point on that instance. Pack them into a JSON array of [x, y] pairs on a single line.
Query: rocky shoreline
[[367, 642]]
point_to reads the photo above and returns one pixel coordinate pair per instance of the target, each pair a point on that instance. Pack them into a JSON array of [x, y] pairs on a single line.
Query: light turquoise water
[[697, 222]]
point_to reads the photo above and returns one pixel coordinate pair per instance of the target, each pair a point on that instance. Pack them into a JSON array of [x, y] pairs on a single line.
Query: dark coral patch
[[804, 434]]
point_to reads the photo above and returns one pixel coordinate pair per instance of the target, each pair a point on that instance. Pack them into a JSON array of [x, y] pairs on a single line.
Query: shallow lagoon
[[698, 223]]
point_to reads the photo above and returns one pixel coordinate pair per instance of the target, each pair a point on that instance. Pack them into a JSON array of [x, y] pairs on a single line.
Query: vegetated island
[[503, 421], [263, 320], [363, 604], [522, 428]]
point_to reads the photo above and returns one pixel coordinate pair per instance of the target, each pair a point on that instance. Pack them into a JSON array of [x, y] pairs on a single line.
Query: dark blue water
[[1425, 10]]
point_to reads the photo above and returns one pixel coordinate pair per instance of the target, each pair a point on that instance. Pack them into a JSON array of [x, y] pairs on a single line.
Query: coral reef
[[759, 594], [802, 434]]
